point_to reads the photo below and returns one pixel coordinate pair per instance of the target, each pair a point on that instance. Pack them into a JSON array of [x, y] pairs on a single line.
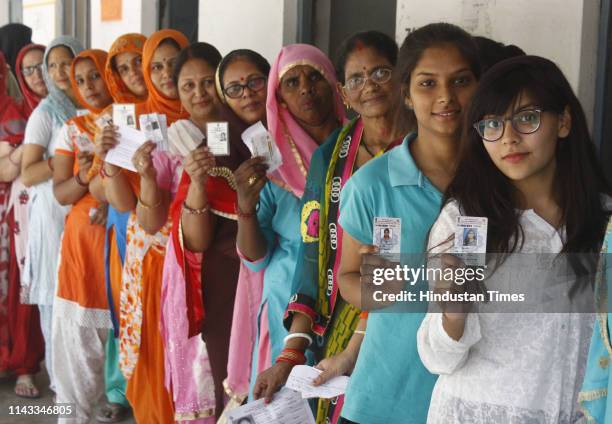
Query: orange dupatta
[[157, 102], [133, 43], [87, 123]]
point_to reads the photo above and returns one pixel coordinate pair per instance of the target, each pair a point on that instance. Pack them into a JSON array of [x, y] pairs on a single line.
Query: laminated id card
[[124, 115], [471, 239], [387, 235], [155, 129], [260, 143], [217, 138]]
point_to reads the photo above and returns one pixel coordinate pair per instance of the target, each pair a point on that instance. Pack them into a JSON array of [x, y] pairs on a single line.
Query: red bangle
[[292, 356], [245, 215]]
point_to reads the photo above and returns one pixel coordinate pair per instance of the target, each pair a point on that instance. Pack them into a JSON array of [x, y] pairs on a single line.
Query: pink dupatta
[[296, 148]]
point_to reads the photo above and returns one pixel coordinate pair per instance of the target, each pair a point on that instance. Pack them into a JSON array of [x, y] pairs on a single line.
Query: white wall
[[137, 16], [564, 31], [4, 12], [235, 24]]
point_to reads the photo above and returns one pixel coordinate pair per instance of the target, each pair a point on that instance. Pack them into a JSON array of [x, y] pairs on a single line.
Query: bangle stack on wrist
[[291, 356]]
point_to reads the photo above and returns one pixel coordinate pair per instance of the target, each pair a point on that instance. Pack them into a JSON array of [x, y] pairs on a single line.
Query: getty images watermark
[[524, 283]]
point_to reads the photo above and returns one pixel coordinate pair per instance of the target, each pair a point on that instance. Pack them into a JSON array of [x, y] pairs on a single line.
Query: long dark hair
[[483, 190], [410, 54]]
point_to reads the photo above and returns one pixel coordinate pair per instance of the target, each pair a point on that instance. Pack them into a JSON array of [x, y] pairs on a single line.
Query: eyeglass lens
[[524, 122]]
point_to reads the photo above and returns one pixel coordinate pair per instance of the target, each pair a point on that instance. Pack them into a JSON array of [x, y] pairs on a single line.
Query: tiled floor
[[8, 398]]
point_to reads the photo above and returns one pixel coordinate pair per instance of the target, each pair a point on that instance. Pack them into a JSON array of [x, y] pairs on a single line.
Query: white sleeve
[[438, 351], [64, 139], [39, 129]]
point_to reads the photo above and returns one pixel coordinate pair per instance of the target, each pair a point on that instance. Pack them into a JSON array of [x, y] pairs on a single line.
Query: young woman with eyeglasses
[[364, 67], [242, 78], [528, 165]]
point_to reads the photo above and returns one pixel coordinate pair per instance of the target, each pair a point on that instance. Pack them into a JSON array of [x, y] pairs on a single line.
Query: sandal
[[25, 387], [112, 413]]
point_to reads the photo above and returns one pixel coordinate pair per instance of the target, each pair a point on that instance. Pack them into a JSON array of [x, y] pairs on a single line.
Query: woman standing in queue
[[437, 72], [80, 311], [21, 341], [242, 80], [125, 82], [304, 108], [364, 66], [141, 355], [46, 215]]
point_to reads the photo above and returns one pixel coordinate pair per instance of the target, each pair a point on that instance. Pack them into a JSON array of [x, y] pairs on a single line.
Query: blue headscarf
[[57, 104]]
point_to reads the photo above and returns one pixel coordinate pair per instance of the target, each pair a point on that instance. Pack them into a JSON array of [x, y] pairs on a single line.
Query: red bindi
[[359, 45]]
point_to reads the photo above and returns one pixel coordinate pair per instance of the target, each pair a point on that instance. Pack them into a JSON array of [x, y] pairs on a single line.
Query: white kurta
[[45, 220], [507, 367]]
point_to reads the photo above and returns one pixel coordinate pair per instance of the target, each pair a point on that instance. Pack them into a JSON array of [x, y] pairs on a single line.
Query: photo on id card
[[386, 236], [217, 138], [124, 115], [153, 125], [471, 239]]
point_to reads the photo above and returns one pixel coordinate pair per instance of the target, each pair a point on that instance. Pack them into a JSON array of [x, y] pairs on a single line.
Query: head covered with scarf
[[157, 102], [133, 43], [13, 117], [98, 57], [31, 99], [87, 123], [57, 103], [13, 37], [295, 144]]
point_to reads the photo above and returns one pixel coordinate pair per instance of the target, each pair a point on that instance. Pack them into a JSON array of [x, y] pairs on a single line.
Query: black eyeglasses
[[29, 70], [525, 122], [235, 91], [379, 76]]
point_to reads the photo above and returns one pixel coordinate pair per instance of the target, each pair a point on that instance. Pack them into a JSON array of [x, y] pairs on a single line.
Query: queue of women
[[197, 283]]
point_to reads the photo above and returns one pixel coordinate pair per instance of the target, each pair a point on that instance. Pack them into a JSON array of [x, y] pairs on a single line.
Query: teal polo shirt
[[390, 383]]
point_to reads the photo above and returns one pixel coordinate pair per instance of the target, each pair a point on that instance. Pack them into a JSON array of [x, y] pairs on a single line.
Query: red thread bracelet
[[245, 215]]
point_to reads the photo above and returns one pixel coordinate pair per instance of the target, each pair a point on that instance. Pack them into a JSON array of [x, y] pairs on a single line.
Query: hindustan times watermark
[[510, 283]]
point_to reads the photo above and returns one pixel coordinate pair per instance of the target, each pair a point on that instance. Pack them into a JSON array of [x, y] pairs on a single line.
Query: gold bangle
[[145, 206], [362, 332]]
